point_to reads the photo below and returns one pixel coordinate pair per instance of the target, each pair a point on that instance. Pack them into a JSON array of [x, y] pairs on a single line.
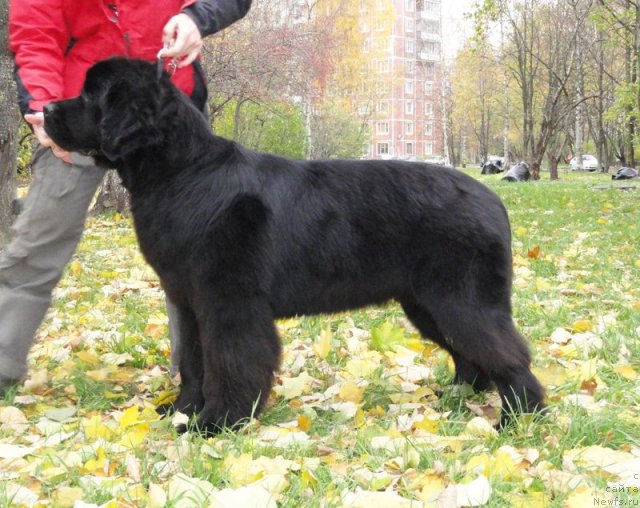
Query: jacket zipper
[[113, 7]]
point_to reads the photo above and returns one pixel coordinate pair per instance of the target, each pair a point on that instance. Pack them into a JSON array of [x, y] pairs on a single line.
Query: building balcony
[[428, 36], [429, 56], [428, 15]]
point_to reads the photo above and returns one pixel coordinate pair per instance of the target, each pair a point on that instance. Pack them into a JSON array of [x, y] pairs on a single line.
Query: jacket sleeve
[[212, 16], [38, 38]]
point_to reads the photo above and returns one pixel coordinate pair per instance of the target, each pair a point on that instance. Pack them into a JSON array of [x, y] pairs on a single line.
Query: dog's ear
[[129, 117]]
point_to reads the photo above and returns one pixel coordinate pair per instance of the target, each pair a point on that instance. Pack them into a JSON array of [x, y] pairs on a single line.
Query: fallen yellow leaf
[[97, 464], [582, 326], [521, 231], [75, 267], [350, 392], [65, 497], [136, 436], [626, 371], [129, 417], [155, 328], [322, 347], [304, 423], [551, 375]]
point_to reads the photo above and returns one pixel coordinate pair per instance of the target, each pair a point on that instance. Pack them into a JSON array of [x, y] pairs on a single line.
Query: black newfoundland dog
[[240, 238]]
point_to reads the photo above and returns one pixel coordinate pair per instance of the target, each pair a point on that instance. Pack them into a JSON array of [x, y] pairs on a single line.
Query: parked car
[[438, 159], [589, 163]]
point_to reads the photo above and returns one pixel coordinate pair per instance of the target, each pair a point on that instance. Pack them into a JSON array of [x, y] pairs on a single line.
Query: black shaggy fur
[[241, 238]]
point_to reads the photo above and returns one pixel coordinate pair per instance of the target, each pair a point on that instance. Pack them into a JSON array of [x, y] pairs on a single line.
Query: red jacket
[[56, 41]]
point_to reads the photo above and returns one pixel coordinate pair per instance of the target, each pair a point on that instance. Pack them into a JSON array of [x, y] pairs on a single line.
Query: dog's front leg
[[190, 400], [241, 352]]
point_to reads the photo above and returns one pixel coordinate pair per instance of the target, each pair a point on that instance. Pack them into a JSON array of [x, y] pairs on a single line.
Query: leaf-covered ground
[[362, 414]]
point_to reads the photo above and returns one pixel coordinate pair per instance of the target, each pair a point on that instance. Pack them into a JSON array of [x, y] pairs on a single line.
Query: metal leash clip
[[160, 63]]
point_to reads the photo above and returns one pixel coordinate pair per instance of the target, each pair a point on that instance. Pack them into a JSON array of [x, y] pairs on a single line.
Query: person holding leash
[[54, 43]]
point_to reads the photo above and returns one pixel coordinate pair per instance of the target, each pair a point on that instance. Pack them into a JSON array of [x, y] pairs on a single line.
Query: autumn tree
[[476, 88], [307, 53], [618, 23], [541, 52]]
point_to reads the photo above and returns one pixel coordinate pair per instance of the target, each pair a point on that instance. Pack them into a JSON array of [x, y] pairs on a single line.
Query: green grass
[[577, 267]]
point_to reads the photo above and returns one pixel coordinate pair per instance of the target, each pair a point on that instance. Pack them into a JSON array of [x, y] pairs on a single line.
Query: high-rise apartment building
[[402, 102]]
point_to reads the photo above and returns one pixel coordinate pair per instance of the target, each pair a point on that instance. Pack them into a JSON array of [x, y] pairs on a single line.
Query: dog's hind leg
[[241, 353], [468, 297], [485, 336], [190, 399], [466, 372]]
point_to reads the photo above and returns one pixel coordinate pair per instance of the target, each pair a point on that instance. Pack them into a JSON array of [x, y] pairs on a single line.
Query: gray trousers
[[46, 234]]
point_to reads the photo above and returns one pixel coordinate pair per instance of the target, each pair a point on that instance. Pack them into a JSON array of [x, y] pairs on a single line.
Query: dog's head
[[116, 114]]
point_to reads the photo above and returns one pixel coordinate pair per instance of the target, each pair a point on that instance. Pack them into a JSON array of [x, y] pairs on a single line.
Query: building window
[[383, 65], [432, 49], [409, 86], [364, 109], [409, 25], [429, 70], [382, 107], [382, 128], [432, 27], [383, 148], [428, 128], [408, 128], [410, 5], [428, 88], [408, 107], [428, 148], [409, 148], [428, 108], [410, 45], [411, 66], [383, 88]]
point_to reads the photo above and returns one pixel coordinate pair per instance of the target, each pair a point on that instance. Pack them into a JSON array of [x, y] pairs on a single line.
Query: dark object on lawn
[[491, 168], [240, 238], [625, 174], [518, 173]]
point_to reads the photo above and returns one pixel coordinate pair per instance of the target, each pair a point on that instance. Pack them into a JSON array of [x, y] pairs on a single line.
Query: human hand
[[181, 39], [36, 120]]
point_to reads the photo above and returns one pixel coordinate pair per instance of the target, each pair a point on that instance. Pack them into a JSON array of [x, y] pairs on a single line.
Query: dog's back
[[343, 234]]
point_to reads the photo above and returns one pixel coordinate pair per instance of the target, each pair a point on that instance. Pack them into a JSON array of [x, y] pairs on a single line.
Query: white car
[[438, 159], [589, 163]]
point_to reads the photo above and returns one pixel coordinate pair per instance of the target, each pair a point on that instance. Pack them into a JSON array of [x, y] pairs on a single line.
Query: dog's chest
[[161, 237]]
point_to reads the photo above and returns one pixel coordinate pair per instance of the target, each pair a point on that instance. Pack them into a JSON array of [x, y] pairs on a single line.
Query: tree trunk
[[112, 195], [9, 122], [602, 149], [553, 167]]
